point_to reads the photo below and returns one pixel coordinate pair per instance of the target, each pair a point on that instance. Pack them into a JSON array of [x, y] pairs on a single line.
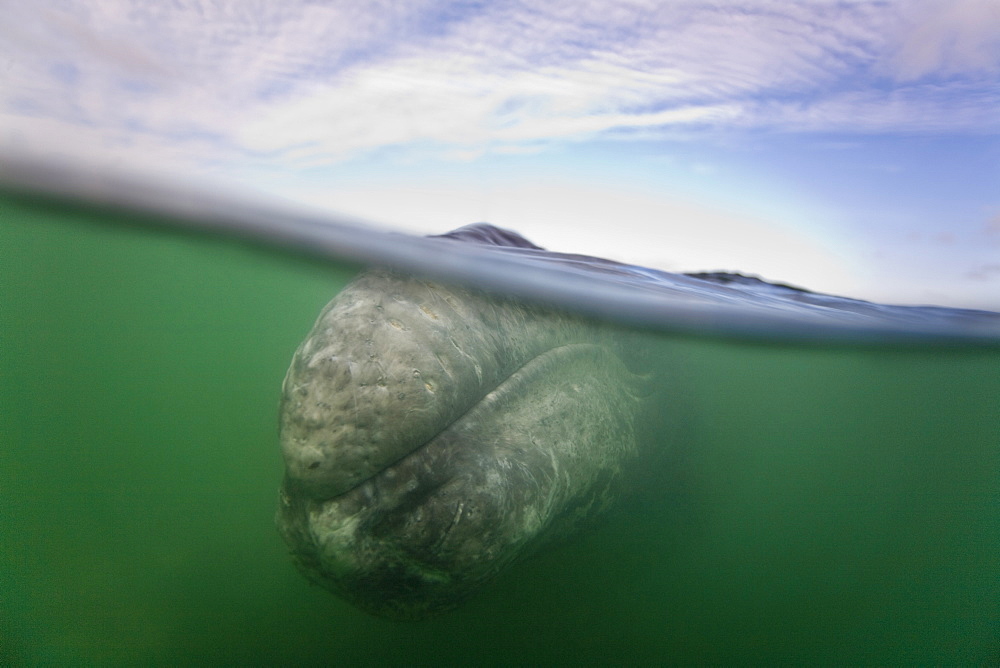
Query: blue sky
[[849, 147]]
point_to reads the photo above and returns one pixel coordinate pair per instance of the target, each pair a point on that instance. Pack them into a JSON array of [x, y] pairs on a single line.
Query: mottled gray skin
[[433, 435]]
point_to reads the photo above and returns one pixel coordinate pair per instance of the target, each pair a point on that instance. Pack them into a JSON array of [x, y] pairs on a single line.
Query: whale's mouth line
[[523, 374], [392, 465]]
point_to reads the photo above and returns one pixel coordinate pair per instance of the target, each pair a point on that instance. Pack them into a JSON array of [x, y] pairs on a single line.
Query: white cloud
[[302, 84], [918, 107], [510, 76], [958, 37]]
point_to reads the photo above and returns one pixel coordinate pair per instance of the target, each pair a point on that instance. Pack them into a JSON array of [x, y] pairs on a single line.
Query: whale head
[[432, 435]]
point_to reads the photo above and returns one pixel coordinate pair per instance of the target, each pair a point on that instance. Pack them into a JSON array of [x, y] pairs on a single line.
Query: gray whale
[[433, 435]]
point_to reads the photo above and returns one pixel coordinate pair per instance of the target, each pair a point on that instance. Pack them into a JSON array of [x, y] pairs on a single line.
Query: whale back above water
[[747, 293]]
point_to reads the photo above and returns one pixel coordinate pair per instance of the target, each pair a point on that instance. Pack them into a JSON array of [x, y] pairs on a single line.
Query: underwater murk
[[835, 503]]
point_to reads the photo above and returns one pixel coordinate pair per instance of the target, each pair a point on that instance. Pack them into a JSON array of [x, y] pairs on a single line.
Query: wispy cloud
[[302, 84], [956, 38], [986, 272]]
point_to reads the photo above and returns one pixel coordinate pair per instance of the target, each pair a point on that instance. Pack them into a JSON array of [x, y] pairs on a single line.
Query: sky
[[847, 147]]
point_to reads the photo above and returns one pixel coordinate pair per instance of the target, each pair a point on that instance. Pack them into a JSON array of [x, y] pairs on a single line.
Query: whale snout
[[389, 364]]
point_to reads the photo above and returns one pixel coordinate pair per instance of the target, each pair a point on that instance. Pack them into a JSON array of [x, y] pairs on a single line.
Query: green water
[[830, 504]]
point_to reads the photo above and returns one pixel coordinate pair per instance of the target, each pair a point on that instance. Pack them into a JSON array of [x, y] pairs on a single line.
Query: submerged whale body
[[432, 435]]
